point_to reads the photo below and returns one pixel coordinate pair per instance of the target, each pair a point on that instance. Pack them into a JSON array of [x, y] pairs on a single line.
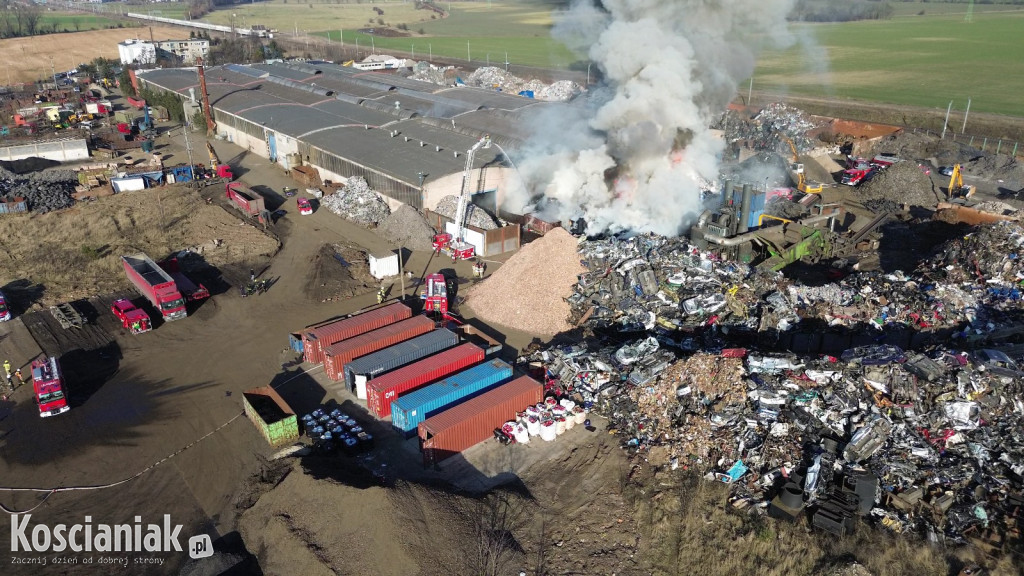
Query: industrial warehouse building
[[408, 139]]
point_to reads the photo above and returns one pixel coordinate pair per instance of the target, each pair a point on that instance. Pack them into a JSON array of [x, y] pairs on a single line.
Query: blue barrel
[[355, 430]]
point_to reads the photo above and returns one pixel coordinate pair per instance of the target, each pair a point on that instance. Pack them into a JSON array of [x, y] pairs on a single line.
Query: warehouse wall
[[60, 150], [333, 167], [491, 178]]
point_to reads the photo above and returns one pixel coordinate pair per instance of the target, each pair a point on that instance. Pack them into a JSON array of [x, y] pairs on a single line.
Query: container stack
[[409, 410], [361, 370], [336, 356], [469, 423], [316, 340], [385, 389]]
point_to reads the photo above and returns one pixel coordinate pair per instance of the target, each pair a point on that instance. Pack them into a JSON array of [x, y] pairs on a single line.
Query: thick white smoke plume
[[631, 155]]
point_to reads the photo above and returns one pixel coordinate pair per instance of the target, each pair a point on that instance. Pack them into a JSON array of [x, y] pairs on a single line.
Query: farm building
[[409, 139]]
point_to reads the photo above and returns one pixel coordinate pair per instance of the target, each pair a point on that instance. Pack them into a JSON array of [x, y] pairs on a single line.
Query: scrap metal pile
[[358, 203], [475, 216], [44, 191], [695, 355], [762, 131]]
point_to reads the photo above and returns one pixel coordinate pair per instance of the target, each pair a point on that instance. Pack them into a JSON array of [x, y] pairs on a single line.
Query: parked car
[[305, 208], [5, 312]]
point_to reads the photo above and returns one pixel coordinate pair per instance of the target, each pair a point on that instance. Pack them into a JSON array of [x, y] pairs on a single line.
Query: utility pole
[[468, 57], [750, 90], [946, 121], [966, 112]]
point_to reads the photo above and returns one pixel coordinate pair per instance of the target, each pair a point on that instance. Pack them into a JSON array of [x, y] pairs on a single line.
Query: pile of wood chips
[[528, 292]]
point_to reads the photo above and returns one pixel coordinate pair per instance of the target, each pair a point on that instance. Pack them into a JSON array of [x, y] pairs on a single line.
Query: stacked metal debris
[[679, 355], [475, 216], [763, 130], [494, 78], [356, 202]]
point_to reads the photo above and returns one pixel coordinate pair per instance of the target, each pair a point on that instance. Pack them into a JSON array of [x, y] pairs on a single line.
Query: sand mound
[[528, 292]]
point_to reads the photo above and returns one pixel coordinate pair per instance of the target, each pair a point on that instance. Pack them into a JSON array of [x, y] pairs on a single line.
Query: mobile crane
[[958, 192], [220, 170], [797, 170], [460, 249]]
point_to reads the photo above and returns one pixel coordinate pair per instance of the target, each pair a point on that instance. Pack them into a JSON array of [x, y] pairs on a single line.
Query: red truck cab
[[48, 387], [132, 319]]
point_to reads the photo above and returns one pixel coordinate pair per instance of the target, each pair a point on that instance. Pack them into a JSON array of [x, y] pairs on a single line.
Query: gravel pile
[[44, 191], [406, 227], [528, 292], [475, 216], [903, 183], [356, 202], [995, 166]]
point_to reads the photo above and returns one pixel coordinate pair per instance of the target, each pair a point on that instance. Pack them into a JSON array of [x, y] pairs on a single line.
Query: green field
[[73, 22], [922, 61]]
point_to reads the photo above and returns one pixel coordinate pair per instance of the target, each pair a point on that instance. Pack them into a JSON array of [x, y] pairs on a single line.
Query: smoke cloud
[[633, 153]]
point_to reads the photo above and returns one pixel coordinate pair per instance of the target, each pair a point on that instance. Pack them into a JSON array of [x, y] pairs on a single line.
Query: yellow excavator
[[796, 170], [958, 192]]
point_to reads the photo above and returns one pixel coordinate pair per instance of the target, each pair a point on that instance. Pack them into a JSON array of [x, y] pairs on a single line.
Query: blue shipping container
[[360, 370], [408, 411]]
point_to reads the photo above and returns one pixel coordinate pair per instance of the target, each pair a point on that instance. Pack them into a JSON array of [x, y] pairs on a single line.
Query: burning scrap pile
[[528, 292], [475, 216], [356, 202], [44, 191], [926, 441]]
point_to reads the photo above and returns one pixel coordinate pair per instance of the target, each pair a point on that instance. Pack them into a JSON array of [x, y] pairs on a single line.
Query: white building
[[145, 52], [136, 52]]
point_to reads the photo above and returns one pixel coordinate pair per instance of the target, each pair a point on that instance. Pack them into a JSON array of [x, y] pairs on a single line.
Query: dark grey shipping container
[[359, 371]]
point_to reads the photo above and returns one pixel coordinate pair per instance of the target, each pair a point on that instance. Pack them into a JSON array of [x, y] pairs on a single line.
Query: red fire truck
[[48, 387]]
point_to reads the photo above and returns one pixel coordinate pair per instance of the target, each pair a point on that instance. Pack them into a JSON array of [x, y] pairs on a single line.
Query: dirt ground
[[28, 59], [76, 253]]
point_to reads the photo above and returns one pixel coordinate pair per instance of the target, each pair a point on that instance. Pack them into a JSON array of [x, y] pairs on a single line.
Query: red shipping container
[[470, 423], [316, 340], [383, 390], [337, 355]]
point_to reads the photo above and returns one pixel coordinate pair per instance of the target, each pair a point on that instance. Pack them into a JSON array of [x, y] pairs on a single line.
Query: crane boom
[[211, 126], [460, 247], [798, 171]]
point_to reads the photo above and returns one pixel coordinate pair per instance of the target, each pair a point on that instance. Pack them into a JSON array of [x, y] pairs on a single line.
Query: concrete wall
[[68, 150]]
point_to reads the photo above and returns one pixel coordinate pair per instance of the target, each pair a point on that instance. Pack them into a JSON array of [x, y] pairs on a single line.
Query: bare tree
[[77, 23], [6, 22], [499, 515], [32, 13], [19, 19]]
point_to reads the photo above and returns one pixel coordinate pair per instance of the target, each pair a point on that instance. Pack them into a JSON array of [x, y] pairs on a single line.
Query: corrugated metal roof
[[291, 99]]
